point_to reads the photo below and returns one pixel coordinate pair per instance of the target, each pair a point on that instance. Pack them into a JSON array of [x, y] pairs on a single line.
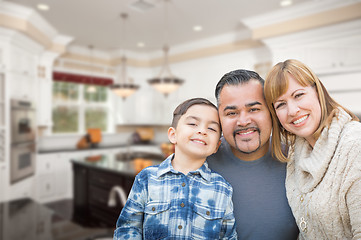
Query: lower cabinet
[[53, 177], [92, 187]]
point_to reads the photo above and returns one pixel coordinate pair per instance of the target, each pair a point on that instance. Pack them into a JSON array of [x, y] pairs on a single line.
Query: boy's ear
[[219, 144], [172, 135]]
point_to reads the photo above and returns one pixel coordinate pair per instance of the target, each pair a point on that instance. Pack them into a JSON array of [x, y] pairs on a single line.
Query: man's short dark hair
[[236, 77], [184, 106]]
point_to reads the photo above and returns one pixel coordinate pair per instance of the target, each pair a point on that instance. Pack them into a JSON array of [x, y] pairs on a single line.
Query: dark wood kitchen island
[[94, 178]]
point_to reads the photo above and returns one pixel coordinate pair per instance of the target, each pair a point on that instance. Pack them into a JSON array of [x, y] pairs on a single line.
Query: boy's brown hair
[[184, 106]]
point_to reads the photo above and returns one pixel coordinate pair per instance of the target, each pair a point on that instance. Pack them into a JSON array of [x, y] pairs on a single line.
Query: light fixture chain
[[123, 74], [166, 24]]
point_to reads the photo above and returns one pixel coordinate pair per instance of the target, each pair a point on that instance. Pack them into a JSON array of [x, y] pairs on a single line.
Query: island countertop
[[125, 163]]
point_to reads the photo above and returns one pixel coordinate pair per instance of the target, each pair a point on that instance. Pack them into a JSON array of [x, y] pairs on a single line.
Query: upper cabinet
[[23, 61], [44, 103], [21, 67], [334, 57]]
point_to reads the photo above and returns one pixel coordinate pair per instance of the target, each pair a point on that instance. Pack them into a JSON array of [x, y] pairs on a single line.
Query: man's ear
[[172, 135], [219, 144]]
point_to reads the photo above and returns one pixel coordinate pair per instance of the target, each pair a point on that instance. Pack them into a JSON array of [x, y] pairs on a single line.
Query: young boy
[[182, 198]]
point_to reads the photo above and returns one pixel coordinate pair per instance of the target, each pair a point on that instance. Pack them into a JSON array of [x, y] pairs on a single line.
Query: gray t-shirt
[[259, 195]]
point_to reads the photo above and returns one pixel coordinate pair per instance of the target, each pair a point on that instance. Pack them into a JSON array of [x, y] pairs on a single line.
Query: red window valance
[[84, 79]]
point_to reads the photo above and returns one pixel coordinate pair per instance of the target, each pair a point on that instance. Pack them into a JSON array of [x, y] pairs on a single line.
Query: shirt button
[[180, 227], [208, 213], [182, 205], [183, 184], [153, 209]]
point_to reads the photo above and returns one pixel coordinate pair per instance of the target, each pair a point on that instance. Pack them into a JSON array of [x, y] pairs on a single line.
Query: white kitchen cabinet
[[23, 60], [53, 176], [46, 187], [44, 106], [22, 87], [331, 59], [146, 107]]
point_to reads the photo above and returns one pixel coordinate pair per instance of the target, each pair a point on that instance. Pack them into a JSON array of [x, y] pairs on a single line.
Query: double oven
[[23, 139]]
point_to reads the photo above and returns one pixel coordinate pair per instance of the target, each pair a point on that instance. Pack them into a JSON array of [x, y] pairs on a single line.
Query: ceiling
[[98, 22]]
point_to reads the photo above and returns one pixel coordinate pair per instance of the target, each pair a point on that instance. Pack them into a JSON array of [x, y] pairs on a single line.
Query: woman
[[324, 159]]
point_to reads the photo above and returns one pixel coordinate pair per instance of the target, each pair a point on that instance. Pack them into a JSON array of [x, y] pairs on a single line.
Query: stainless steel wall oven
[[23, 140]]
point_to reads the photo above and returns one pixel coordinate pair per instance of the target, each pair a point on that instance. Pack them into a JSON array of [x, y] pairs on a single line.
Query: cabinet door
[[46, 164], [45, 176], [46, 187], [100, 185], [44, 106], [53, 177], [22, 86], [80, 191]]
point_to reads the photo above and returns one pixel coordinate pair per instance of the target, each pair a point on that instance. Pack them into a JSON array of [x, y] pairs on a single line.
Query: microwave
[[22, 121]]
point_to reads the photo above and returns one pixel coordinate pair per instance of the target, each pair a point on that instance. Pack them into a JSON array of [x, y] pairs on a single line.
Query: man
[[260, 205]]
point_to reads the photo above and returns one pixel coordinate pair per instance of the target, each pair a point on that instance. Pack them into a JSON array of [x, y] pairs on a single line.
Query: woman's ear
[[172, 135]]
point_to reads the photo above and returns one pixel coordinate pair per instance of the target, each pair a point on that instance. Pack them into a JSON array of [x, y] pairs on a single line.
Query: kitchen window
[[75, 108]]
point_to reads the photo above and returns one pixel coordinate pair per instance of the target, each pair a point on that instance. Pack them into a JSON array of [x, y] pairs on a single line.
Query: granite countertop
[[119, 163], [100, 147], [27, 219], [42, 151]]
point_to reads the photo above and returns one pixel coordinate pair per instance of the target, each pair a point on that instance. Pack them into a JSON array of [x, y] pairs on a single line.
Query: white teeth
[[199, 142], [300, 120], [245, 133]]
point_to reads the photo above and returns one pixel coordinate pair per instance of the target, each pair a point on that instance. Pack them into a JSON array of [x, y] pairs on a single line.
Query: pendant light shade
[[125, 87], [165, 82]]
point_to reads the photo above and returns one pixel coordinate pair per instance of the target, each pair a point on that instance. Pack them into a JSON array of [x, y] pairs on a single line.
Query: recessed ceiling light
[[197, 28], [285, 3], [140, 45], [43, 7]]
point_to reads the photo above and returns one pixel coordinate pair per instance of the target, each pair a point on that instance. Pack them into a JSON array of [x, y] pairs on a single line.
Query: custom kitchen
[[87, 92]]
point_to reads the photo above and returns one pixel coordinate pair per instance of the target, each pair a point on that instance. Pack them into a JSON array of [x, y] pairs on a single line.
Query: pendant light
[[125, 87], [165, 82]]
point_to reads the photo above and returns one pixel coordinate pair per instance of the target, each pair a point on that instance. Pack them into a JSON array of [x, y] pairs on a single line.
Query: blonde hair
[[276, 84]]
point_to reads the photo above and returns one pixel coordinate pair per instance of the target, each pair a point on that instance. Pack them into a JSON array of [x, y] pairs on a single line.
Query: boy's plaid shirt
[[166, 204]]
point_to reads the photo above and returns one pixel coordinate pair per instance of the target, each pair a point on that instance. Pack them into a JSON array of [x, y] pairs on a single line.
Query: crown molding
[[348, 30], [303, 17], [30, 23], [297, 11]]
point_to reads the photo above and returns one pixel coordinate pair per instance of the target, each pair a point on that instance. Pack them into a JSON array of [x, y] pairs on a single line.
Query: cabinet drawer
[[46, 186], [46, 165], [104, 179], [98, 196], [105, 218]]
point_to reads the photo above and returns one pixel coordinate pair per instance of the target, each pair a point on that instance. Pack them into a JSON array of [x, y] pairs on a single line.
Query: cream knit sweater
[[324, 183]]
